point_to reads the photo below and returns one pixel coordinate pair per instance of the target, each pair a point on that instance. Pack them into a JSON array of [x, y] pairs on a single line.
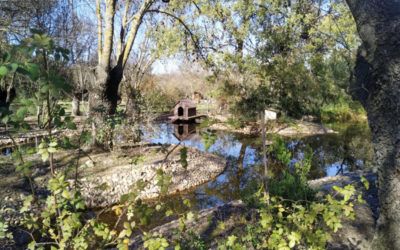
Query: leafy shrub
[[342, 112], [289, 215], [250, 106], [290, 186], [208, 138], [280, 152], [4, 228], [286, 225]]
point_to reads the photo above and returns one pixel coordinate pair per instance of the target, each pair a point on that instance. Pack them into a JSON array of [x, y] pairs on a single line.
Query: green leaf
[[169, 212], [294, 238], [187, 203], [66, 194], [14, 67], [32, 245], [231, 241], [45, 156], [365, 182], [32, 70], [61, 112], [124, 198], [190, 216], [52, 150], [21, 113], [5, 119], [3, 71], [266, 220], [183, 157], [44, 88], [71, 125]]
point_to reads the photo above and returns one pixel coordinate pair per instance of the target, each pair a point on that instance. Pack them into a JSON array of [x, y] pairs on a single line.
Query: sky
[[166, 66]]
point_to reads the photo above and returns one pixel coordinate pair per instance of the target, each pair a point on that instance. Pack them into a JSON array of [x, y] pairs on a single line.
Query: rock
[[105, 188], [303, 128], [309, 118]]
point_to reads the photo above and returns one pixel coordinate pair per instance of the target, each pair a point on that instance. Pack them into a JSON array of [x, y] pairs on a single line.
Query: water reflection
[[332, 154], [225, 144], [347, 151], [6, 151], [185, 131]]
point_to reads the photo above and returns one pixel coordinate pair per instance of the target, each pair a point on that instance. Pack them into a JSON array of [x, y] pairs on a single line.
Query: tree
[[114, 52], [377, 86], [58, 19], [82, 76], [295, 56], [109, 74]]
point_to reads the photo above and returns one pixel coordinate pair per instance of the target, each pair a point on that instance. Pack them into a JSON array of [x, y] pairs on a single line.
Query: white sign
[[270, 115]]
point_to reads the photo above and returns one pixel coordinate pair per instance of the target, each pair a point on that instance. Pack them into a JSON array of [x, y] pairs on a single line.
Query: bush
[[290, 216], [292, 183], [342, 112], [283, 224], [290, 186]]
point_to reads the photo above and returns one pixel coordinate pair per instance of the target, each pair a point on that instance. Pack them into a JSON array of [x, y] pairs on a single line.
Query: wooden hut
[[184, 110]]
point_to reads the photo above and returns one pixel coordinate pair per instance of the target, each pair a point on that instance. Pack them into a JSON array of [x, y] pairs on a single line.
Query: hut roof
[[186, 103]]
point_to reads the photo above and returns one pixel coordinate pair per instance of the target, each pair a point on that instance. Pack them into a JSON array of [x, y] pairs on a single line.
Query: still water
[[333, 154]]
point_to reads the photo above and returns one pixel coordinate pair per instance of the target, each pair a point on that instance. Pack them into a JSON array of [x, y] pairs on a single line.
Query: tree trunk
[[377, 86], [76, 111], [104, 97], [7, 96]]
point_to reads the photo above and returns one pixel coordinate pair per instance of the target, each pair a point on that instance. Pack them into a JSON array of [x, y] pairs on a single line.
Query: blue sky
[[166, 66]]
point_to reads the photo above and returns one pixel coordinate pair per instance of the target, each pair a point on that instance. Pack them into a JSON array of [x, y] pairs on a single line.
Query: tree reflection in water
[[348, 150]]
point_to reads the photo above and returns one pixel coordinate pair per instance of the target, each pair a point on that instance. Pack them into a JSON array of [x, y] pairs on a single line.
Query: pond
[[333, 154], [348, 150]]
